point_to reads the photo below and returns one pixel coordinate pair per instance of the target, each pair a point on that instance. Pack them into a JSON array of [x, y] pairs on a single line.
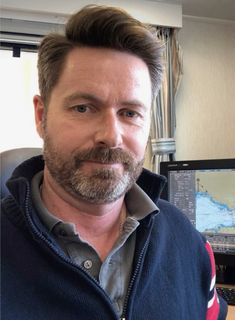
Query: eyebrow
[[78, 95], [91, 97]]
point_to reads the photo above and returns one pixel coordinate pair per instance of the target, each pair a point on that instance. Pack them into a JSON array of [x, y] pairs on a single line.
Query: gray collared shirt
[[113, 274]]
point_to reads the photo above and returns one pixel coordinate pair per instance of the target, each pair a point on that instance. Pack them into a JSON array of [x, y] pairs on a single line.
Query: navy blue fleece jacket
[[171, 275]]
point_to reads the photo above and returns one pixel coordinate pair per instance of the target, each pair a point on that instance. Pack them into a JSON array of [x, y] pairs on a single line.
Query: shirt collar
[[47, 218], [138, 204]]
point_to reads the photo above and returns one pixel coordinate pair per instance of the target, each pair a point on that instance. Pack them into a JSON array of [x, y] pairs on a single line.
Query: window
[[18, 83]]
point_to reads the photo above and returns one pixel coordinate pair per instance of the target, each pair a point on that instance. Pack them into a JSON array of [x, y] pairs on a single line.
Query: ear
[[39, 114]]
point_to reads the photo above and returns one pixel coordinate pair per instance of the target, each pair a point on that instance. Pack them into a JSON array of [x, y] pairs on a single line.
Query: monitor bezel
[[167, 166]]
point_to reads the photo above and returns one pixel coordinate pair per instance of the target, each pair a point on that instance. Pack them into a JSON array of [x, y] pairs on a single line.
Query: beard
[[100, 186]]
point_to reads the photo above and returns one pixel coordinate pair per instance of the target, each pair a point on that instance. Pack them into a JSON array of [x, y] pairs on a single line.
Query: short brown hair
[[99, 26]]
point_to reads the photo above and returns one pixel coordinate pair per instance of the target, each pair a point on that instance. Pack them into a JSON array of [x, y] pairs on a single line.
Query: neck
[[99, 224]]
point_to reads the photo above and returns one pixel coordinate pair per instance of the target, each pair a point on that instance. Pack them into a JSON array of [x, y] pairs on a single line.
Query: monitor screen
[[204, 190]]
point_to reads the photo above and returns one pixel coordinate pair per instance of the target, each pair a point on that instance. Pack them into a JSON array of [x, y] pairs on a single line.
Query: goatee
[[100, 186]]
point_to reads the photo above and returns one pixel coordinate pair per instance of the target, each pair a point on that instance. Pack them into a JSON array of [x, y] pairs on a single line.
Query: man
[[82, 239]]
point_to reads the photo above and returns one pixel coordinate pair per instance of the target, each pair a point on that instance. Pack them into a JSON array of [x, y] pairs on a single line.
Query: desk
[[231, 313], [231, 309]]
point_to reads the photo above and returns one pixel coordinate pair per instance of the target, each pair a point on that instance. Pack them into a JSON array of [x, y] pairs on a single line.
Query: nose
[[109, 131]]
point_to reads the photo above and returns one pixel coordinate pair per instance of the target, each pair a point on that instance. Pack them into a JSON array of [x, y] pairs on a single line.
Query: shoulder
[[176, 226], [11, 215], [173, 215]]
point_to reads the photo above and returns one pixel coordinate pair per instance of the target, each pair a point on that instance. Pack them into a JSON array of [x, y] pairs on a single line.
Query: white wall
[[206, 99]]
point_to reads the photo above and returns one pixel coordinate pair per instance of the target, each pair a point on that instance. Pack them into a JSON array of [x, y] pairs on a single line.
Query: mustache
[[104, 155]]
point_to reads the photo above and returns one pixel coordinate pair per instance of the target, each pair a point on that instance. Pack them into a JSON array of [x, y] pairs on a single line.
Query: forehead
[[100, 61], [105, 71]]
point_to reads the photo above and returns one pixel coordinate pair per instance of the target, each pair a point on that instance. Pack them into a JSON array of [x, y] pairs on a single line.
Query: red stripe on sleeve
[[213, 304]]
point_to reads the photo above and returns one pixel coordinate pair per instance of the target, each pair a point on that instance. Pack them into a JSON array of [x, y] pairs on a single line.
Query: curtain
[[162, 134]]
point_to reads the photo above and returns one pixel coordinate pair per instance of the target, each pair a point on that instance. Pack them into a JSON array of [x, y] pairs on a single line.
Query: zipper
[[64, 258], [139, 262]]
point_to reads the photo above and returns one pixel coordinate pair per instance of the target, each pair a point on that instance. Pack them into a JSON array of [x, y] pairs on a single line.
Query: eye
[[81, 108], [130, 114]]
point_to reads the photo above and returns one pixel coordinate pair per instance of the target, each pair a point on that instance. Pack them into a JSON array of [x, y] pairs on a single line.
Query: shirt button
[[87, 264]]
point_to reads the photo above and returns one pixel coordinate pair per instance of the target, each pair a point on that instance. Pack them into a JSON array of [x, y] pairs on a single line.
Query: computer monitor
[[204, 190]]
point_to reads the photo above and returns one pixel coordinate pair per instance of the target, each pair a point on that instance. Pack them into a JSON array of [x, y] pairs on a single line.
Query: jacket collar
[[152, 184]]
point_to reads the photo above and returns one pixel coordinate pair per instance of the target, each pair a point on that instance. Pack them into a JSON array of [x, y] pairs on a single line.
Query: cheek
[[67, 135], [137, 143]]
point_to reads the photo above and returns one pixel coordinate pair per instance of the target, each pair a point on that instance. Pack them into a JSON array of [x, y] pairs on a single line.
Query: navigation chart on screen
[[215, 201]]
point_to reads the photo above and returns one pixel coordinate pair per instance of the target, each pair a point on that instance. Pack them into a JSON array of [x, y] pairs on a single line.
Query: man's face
[[96, 127]]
